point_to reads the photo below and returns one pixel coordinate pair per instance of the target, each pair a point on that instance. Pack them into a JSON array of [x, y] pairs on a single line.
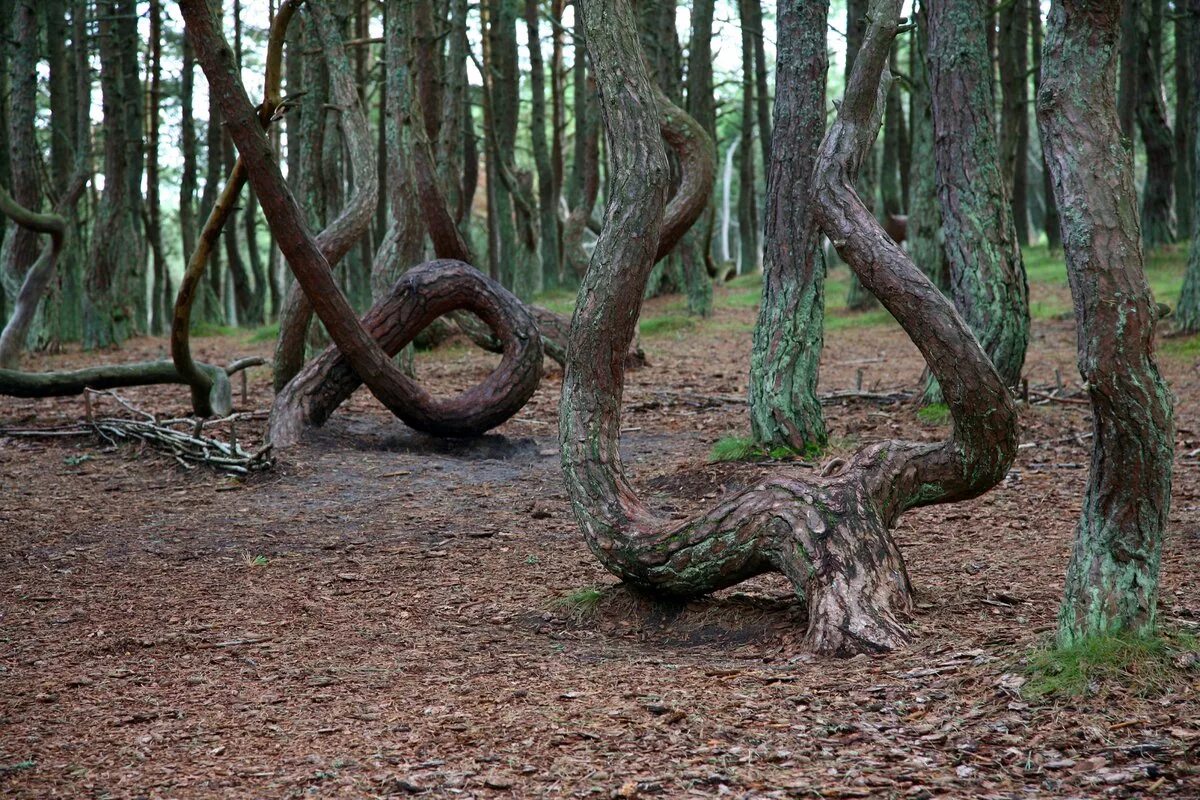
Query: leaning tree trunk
[[1188, 311], [987, 275], [829, 536], [1112, 580], [784, 407]]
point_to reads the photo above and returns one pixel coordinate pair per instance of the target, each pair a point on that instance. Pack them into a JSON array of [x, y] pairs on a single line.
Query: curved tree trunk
[[306, 255], [340, 235], [987, 276], [829, 536], [1112, 580], [784, 408]]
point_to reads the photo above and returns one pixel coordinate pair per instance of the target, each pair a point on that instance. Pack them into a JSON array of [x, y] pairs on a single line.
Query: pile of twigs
[[183, 439]]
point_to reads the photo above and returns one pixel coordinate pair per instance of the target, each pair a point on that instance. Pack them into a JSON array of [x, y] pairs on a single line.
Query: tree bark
[[924, 233], [547, 200], [857, 298], [747, 202], [115, 299], [1014, 113], [20, 249], [784, 408], [160, 292], [1112, 580], [986, 271], [1187, 38], [1187, 313], [1158, 191], [1050, 218], [829, 536]]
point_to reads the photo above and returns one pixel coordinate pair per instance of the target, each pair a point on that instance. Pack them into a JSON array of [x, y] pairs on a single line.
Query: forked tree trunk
[[1112, 580], [987, 276], [829, 536], [784, 407]]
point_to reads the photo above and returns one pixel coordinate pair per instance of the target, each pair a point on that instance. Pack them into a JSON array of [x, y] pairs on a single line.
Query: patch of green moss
[[661, 326], [737, 448], [934, 414]]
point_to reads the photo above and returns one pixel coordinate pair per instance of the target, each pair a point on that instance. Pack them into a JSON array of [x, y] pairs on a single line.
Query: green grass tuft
[[580, 604], [934, 414], [1144, 665], [1180, 346]]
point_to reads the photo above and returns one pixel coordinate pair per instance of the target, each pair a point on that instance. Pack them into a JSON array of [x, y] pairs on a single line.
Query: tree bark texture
[[1013, 43], [1158, 191], [829, 536], [1112, 579], [1187, 313], [857, 298], [1050, 217], [987, 275], [784, 407], [924, 233]]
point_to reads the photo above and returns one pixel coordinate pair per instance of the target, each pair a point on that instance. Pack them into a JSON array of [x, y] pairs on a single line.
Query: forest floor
[[383, 614]]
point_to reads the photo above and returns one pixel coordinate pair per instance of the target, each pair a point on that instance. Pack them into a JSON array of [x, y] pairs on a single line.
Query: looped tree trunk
[[828, 535], [420, 296]]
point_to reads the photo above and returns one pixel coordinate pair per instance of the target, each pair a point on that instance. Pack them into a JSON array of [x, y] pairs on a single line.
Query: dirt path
[[420, 623]]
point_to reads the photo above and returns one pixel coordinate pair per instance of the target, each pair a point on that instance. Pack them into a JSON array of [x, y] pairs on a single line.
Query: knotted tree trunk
[[1112, 580], [829, 535]]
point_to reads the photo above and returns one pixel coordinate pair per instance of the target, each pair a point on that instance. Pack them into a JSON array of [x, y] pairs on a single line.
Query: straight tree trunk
[[7, 13], [161, 296], [1127, 78], [21, 247], [1186, 40], [701, 105], [210, 305], [784, 408], [747, 203], [858, 299], [762, 93], [547, 200], [188, 176], [925, 211], [1050, 218], [987, 275], [1112, 579], [501, 87], [115, 307], [455, 110], [890, 194], [1187, 313], [1158, 192], [1014, 113]]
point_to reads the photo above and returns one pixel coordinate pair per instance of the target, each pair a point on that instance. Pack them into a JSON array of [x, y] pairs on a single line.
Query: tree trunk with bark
[[829, 535], [308, 259], [858, 298], [987, 274], [1050, 217], [1187, 38], [1013, 41], [20, 248], [1158, 191], [747, 202], [1187, 313], [1112, 580], [115, 307], [784, 408], [925, 236], [160, 291], [547, 200]]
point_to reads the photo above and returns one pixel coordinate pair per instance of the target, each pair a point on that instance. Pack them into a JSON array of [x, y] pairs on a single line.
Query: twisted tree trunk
[[829, 536], [469, 415], [1112, 580]]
